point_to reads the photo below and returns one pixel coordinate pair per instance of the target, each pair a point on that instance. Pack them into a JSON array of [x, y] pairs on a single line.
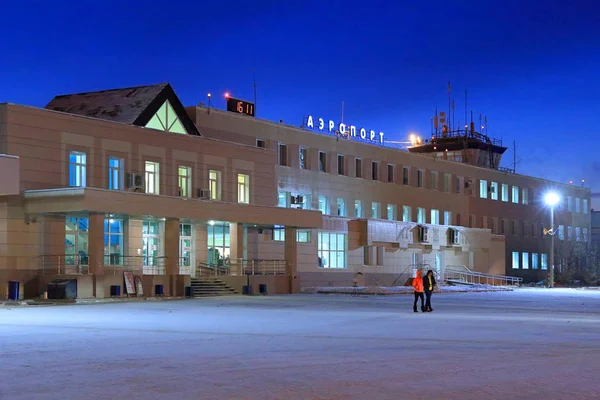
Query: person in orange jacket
[[417, 284]]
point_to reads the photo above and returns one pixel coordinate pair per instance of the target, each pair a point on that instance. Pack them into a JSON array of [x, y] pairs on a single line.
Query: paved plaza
[[526, 344]]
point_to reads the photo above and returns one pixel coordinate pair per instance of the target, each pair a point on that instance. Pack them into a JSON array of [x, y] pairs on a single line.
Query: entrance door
[[150, 243], [185, 249], [439, 268], [218, 243], [76, 241]]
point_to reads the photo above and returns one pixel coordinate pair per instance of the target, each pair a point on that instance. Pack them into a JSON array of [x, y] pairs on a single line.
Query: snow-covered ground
[[525, 344], [402, 289]]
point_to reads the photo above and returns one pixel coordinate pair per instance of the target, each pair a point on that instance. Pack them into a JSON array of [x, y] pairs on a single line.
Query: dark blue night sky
[[531, 66]]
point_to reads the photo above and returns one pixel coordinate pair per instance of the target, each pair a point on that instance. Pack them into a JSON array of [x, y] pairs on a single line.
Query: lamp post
[[551, 200]]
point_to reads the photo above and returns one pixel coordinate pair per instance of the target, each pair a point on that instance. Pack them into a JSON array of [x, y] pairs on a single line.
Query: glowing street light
[[551, 199]]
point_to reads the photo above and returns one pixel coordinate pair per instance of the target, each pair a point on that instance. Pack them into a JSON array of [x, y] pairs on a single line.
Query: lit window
[[332, 250], [515, 260], [483, 189], [535, 261], [322, 161], [525, 260], [435, 217], [494, 191], [584, 234], [515, 194], [113, 241], [302, 236], [214, 183], [421, 215], [166, 119], [341, 207], [391, 212], [407, 213], [524, 196], [569, 203], [115, 173], [375, 210], [585, 206], [358, 168], [243, 189], [303, 164], [184, 177], [578, 234], [544, 261], [357, 208], [561, 232], [577, 205], [282, 154], [504, 192], [447, 218], [569, 233], [324, 204], [77, 169], [282, 199], [152, 177]]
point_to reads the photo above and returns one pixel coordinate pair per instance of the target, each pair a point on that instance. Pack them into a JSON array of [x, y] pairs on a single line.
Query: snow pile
[[403, 289]]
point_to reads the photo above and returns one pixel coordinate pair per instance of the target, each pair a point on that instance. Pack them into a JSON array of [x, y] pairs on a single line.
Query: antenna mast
[[254, 93], [449, 105], [514, 156]]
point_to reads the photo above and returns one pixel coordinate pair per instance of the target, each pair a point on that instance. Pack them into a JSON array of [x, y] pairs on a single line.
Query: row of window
[[116, 175], [527, 260], [491, 190]]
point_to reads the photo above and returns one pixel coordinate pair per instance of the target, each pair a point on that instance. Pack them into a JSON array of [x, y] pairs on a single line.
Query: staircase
[[211, 286]]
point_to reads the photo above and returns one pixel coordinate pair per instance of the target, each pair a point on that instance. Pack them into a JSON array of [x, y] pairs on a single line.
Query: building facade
[[129, 180]]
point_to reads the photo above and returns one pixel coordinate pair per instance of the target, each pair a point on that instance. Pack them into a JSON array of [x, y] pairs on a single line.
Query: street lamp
[[551, 199]]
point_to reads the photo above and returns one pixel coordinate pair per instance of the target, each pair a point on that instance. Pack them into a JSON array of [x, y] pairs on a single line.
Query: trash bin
[[189, 292], [62, 289], [262, 288], [159, 290], [247, 290], [13, 290], [115, 291]]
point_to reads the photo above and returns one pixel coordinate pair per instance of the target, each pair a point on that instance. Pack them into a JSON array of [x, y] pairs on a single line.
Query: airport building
[[99, 184]]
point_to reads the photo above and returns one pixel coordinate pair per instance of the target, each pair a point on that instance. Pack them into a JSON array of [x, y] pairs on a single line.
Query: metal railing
[[241, 267], [138, 264], [413, 267], [63, 264], [463, 274], [185, 266]]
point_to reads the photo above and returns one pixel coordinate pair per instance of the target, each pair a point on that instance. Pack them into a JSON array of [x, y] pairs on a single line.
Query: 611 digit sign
[[240, 106]]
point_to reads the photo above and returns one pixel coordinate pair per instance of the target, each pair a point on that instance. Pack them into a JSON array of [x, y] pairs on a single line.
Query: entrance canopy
[[90, 200]]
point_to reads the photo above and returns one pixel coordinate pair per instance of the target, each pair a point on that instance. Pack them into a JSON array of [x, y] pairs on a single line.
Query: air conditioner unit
[[468, 184], [203, 194], [423, 234], [135, 181], [292, 199], [491, 189], [299, 199], [454, 236]]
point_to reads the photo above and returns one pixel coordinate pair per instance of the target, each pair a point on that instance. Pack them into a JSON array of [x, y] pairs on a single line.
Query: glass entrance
[[218, 243], [76, 241], [150, 243], [185, 246]]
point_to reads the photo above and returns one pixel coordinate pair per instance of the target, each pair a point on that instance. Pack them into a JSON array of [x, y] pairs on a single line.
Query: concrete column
[[291, 258], [96, 244], [236, 240], [171, 246]]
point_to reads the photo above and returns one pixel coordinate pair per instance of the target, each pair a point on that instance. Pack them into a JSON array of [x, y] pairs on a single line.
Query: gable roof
[[133, 105]]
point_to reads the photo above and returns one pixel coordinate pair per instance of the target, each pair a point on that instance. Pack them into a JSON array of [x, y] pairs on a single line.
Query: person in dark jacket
[[429, 285]]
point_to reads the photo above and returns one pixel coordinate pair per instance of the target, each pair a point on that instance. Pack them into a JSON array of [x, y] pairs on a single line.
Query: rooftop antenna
[[514, 156], [453, 115], [254, 76], [449, 102], [209, 96], [342, 111], [466, 119]]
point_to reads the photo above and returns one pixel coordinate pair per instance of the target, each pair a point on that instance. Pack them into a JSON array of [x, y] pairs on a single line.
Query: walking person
[[417, 284], [429, 284]]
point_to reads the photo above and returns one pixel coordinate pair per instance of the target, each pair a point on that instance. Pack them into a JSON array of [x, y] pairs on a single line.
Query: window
[[569, 233], [407, 213], [282, 154], [421, 215], [302, 156], [113, 241], [578, 234], [76, 241], [115, 173], [524, 196], [218, 243], [150, 243], [515, 260], [358, 208], [302, 236], [358, 168], [324, 204], [166, 119], [322, 161], [186, 248], [375, 210], [214, 184], [283, 199], [584, 235], [447, 180], [458, 183], [544, 261], [585, 206], [340, 164], [504, 192], [260, 143], [504, 227], [561, 232], [341, 207], [77, 169], [390, 173], [184, 177], [243, 184], [533, 229], [569, 203], [525, 260], [152, 177], [495, 225], [435, 217], [515, 194], [332, 250], [375, 170], [514, 227], [577, 205], [523, 230], [419, 178], [447, 218], [391, 212], [483, 189], [433, 180], [405, 175], [471, 221], [535, 262], [494, 191]]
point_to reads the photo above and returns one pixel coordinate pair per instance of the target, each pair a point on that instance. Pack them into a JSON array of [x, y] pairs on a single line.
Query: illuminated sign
[[351, 131], [240, 106]]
